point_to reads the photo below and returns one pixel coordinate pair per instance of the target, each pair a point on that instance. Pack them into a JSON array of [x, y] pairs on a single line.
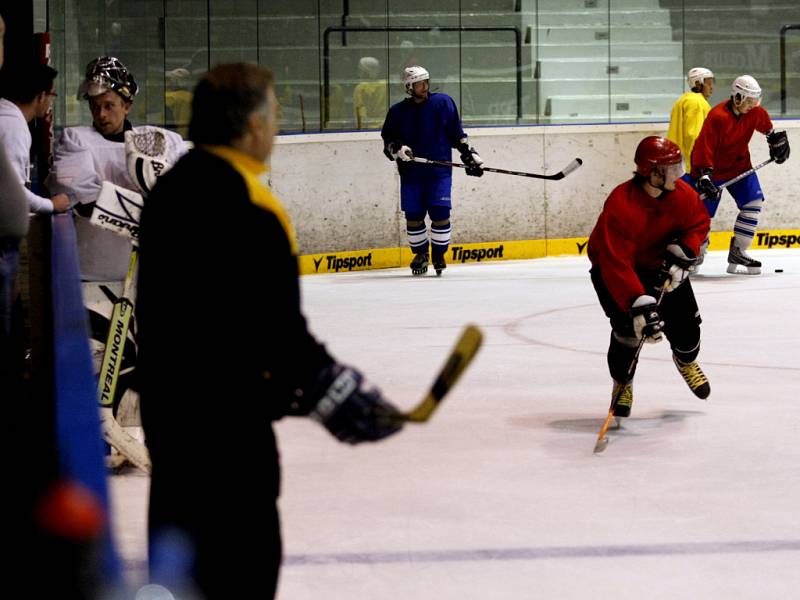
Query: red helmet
[[654, 150]]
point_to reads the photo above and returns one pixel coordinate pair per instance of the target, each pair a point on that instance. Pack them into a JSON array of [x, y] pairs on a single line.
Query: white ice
[[500, 495]]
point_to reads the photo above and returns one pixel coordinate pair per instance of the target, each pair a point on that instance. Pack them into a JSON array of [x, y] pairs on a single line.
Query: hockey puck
[[779, 270]]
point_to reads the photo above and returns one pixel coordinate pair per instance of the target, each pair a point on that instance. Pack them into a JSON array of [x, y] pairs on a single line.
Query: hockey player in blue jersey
[[427, 125]]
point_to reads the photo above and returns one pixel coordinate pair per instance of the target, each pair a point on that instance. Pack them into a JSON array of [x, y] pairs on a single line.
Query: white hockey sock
[[417, 237], [744, 230], [440, 237]]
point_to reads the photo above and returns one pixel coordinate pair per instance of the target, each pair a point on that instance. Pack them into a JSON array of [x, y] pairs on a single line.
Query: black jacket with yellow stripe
[[223, 345]]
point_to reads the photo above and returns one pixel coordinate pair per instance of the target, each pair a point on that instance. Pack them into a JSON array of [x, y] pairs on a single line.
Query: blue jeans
[[9, 261]]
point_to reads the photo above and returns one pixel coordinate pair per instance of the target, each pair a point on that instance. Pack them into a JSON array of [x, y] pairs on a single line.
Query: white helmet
[[746, 86], [699, 75], [369, 66], [412, 75]]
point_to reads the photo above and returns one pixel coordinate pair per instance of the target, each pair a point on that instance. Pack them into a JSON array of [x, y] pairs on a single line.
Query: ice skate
[[694, 377], [419, 264], [622, 407], [439, 264], [738, 257]]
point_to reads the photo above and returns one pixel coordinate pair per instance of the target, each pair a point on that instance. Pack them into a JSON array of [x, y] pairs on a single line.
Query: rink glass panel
[[583, 61]]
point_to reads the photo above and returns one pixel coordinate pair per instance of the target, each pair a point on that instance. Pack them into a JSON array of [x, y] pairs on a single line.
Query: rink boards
[[387, 258]]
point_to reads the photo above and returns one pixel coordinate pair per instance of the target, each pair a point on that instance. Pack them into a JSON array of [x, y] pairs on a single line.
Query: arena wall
[[343, 194]]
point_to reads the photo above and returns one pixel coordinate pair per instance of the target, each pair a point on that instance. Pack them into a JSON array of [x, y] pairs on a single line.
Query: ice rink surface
[[499, 496]]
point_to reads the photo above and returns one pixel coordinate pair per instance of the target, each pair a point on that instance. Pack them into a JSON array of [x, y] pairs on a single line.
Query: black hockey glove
[[351, 412], [647, 322], [778, 146], [707, 187], [679, 263], [397, 151], [471, 159], [391, 149]]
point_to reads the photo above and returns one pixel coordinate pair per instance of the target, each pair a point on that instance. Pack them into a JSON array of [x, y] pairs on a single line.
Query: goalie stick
[[459, 359], [118, 210], [560, 175], [602, 438]]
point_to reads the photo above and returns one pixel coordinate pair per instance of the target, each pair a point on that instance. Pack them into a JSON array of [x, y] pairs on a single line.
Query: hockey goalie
[[107, 169]]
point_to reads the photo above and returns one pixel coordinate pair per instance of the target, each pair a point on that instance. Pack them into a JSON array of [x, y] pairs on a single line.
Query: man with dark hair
[[13, 228], [217, 367], [27, 95]]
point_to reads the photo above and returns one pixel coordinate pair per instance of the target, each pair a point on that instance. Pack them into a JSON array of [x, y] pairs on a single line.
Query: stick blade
[[570, 167], [601, 445], [459, 359], [602, 437]]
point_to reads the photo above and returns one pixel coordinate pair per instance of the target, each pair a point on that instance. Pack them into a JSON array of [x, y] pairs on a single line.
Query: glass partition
[[338, 63]]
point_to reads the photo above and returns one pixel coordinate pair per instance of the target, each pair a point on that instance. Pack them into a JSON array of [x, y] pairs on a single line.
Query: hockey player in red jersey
[[721, 153], [647, 239]]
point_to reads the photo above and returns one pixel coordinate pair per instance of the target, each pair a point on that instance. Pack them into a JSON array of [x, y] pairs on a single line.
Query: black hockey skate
[[622, 407], [419, 264], [439, 264], [738, 257], [694, 377]]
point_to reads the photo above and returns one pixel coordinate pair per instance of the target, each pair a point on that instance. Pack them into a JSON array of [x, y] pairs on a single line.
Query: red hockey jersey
[[723, 141], [634, 229]]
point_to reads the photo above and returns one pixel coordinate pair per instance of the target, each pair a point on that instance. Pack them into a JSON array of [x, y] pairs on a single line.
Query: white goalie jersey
[[83, 160]]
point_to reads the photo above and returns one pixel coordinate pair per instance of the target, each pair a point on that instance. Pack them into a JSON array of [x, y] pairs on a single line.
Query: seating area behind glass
[[581, 61]]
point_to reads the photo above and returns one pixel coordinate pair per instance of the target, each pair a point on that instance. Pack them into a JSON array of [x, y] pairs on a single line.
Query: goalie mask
[[108, 74]]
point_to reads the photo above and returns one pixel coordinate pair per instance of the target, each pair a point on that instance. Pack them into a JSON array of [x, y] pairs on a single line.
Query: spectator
[[28, 95]]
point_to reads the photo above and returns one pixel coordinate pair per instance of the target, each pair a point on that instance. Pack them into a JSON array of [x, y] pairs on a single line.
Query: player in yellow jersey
[[690, 110]]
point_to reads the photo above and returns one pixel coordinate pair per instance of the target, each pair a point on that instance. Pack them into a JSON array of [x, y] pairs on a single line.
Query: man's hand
[[679, 263], [350, 410], [647, 322], [707, 187], [398, 151], [60, 203], [471, 159], [778, 146]]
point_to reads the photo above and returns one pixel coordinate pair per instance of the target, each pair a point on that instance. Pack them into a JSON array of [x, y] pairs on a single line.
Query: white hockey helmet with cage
[[412, 75], [108, 74], [746, 86], [698, 75]]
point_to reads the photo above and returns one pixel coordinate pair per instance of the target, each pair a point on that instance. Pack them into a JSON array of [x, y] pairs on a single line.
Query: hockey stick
[[124, 207], [110, 368], [460, 357], [740, 176], [560, 175], [602, 438]]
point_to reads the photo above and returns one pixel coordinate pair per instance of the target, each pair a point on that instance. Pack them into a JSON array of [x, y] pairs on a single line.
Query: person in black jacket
[[225, 350]]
